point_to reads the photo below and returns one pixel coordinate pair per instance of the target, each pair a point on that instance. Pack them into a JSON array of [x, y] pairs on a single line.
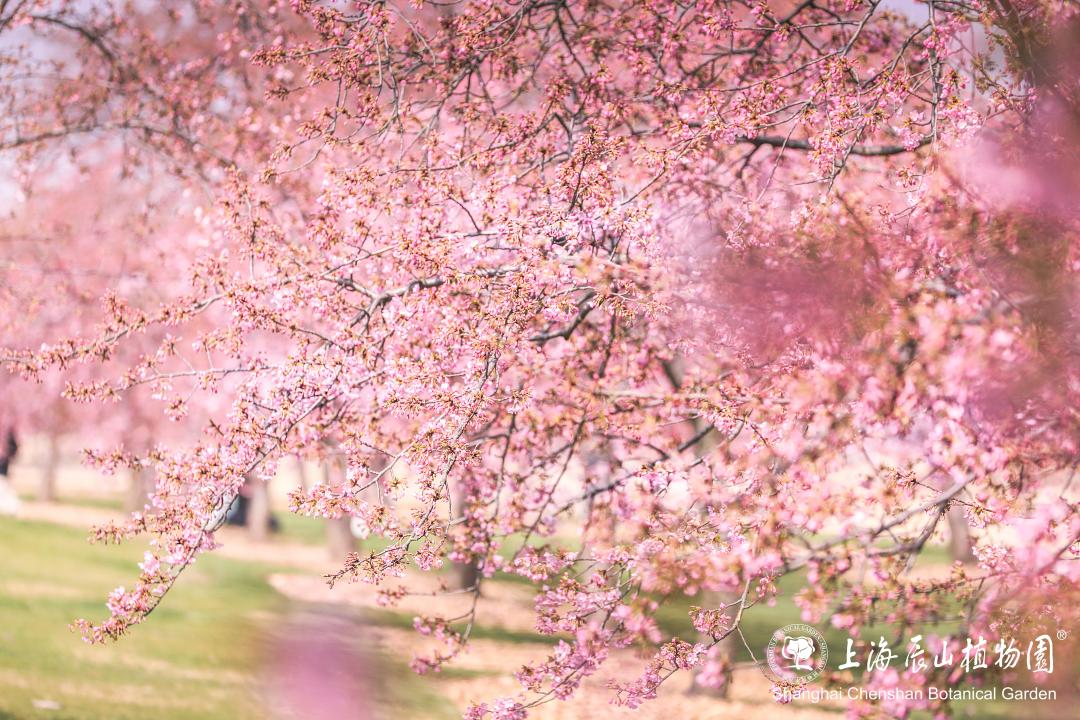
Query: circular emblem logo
[[796, 655]]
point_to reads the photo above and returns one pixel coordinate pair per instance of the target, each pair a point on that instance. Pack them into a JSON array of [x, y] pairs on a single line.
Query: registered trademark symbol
[[1062, 634]]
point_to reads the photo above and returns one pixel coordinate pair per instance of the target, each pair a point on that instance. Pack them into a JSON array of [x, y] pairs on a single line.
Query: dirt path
[[508, 607]]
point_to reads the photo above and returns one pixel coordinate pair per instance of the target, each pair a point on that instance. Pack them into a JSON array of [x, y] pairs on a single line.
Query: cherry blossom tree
[[59, 262], [734, 289]]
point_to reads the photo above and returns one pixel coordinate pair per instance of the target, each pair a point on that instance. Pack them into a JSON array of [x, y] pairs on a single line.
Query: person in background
[[9, 446]]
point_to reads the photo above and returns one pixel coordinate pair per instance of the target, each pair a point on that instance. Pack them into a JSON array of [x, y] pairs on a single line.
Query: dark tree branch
[[864, 150]]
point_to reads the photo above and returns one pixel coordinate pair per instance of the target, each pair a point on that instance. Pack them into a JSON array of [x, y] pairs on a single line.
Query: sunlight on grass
[[198, 656], [190, 660]]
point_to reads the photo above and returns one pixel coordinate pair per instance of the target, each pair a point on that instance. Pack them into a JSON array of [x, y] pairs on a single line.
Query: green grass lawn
[[201, 654], [198, 656], [193, 660]]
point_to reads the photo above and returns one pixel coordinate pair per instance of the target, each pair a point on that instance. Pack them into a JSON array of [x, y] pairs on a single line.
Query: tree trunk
[[47, 487], [723, 653], [140, 485], [467, 574], [258, 514], [302, 474], [959, 535], [339, 537]]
